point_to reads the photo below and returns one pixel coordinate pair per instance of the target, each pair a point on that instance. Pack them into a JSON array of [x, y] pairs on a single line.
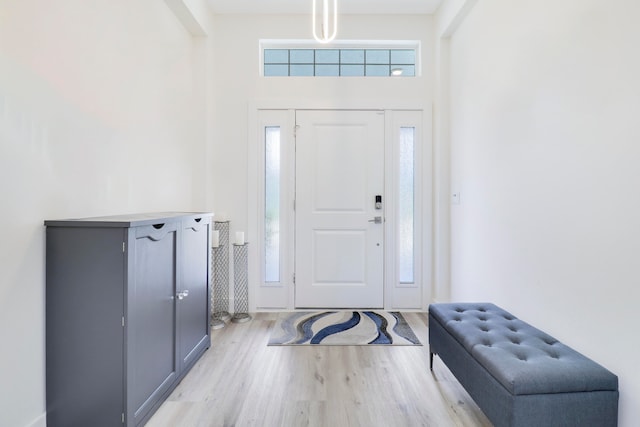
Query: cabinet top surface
[[128, 220]]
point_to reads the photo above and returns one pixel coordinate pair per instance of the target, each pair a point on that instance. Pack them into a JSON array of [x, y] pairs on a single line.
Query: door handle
[[376, 220]]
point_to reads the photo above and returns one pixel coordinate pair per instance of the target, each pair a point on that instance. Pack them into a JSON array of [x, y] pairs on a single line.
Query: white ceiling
[[344, 6]]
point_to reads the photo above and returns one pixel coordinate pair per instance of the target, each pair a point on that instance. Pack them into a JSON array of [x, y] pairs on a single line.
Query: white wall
[[238, 83], [545, 153], [99, 114]]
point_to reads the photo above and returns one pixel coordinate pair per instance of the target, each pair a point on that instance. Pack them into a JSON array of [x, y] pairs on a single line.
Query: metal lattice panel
[[240, 284], [220, 294]]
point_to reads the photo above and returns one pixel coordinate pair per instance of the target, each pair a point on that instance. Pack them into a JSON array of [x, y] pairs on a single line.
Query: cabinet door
[[84, 345], [152, 363], [193, 307]]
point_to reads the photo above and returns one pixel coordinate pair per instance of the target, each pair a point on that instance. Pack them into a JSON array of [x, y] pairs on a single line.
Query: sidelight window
[[272, 178], [406, 204]]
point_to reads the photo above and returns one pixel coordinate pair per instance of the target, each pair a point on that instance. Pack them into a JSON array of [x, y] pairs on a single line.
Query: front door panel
[[339, 244]]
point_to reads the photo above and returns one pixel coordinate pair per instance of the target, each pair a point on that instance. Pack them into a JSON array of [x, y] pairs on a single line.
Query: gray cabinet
[[127, 314]]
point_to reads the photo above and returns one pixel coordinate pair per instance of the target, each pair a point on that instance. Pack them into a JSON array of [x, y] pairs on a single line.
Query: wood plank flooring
[[240, 381]]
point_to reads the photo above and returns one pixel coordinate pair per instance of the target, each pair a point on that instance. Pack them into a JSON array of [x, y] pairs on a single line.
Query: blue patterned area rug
[[342, 328]]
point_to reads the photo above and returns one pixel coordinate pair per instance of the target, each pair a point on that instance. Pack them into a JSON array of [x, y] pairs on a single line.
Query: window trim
[[395, 121], [280, 119]]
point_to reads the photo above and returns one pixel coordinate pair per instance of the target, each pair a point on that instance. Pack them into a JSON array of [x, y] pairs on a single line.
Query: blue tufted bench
[[518, 375]]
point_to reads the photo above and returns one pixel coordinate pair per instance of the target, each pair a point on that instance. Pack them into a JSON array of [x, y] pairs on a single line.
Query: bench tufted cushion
[[522, 358]]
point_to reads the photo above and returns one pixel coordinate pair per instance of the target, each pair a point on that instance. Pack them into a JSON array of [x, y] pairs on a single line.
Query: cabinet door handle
[[182, 295]]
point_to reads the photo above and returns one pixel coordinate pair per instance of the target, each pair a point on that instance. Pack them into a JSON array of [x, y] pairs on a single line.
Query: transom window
[[339, 62]]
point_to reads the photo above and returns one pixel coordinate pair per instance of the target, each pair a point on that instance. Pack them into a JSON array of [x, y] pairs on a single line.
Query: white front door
[[339, 232]]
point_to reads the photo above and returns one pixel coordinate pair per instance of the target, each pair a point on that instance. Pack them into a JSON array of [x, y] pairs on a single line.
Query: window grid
[[362, 68]]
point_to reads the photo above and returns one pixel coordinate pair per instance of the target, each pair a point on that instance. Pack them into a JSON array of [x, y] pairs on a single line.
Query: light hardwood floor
[[240, 381]]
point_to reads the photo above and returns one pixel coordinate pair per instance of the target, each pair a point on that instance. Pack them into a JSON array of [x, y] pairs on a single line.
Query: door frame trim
[[278, 298]]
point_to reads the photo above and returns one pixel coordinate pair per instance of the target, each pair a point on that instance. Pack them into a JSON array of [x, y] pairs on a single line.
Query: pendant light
[[326, 35]]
